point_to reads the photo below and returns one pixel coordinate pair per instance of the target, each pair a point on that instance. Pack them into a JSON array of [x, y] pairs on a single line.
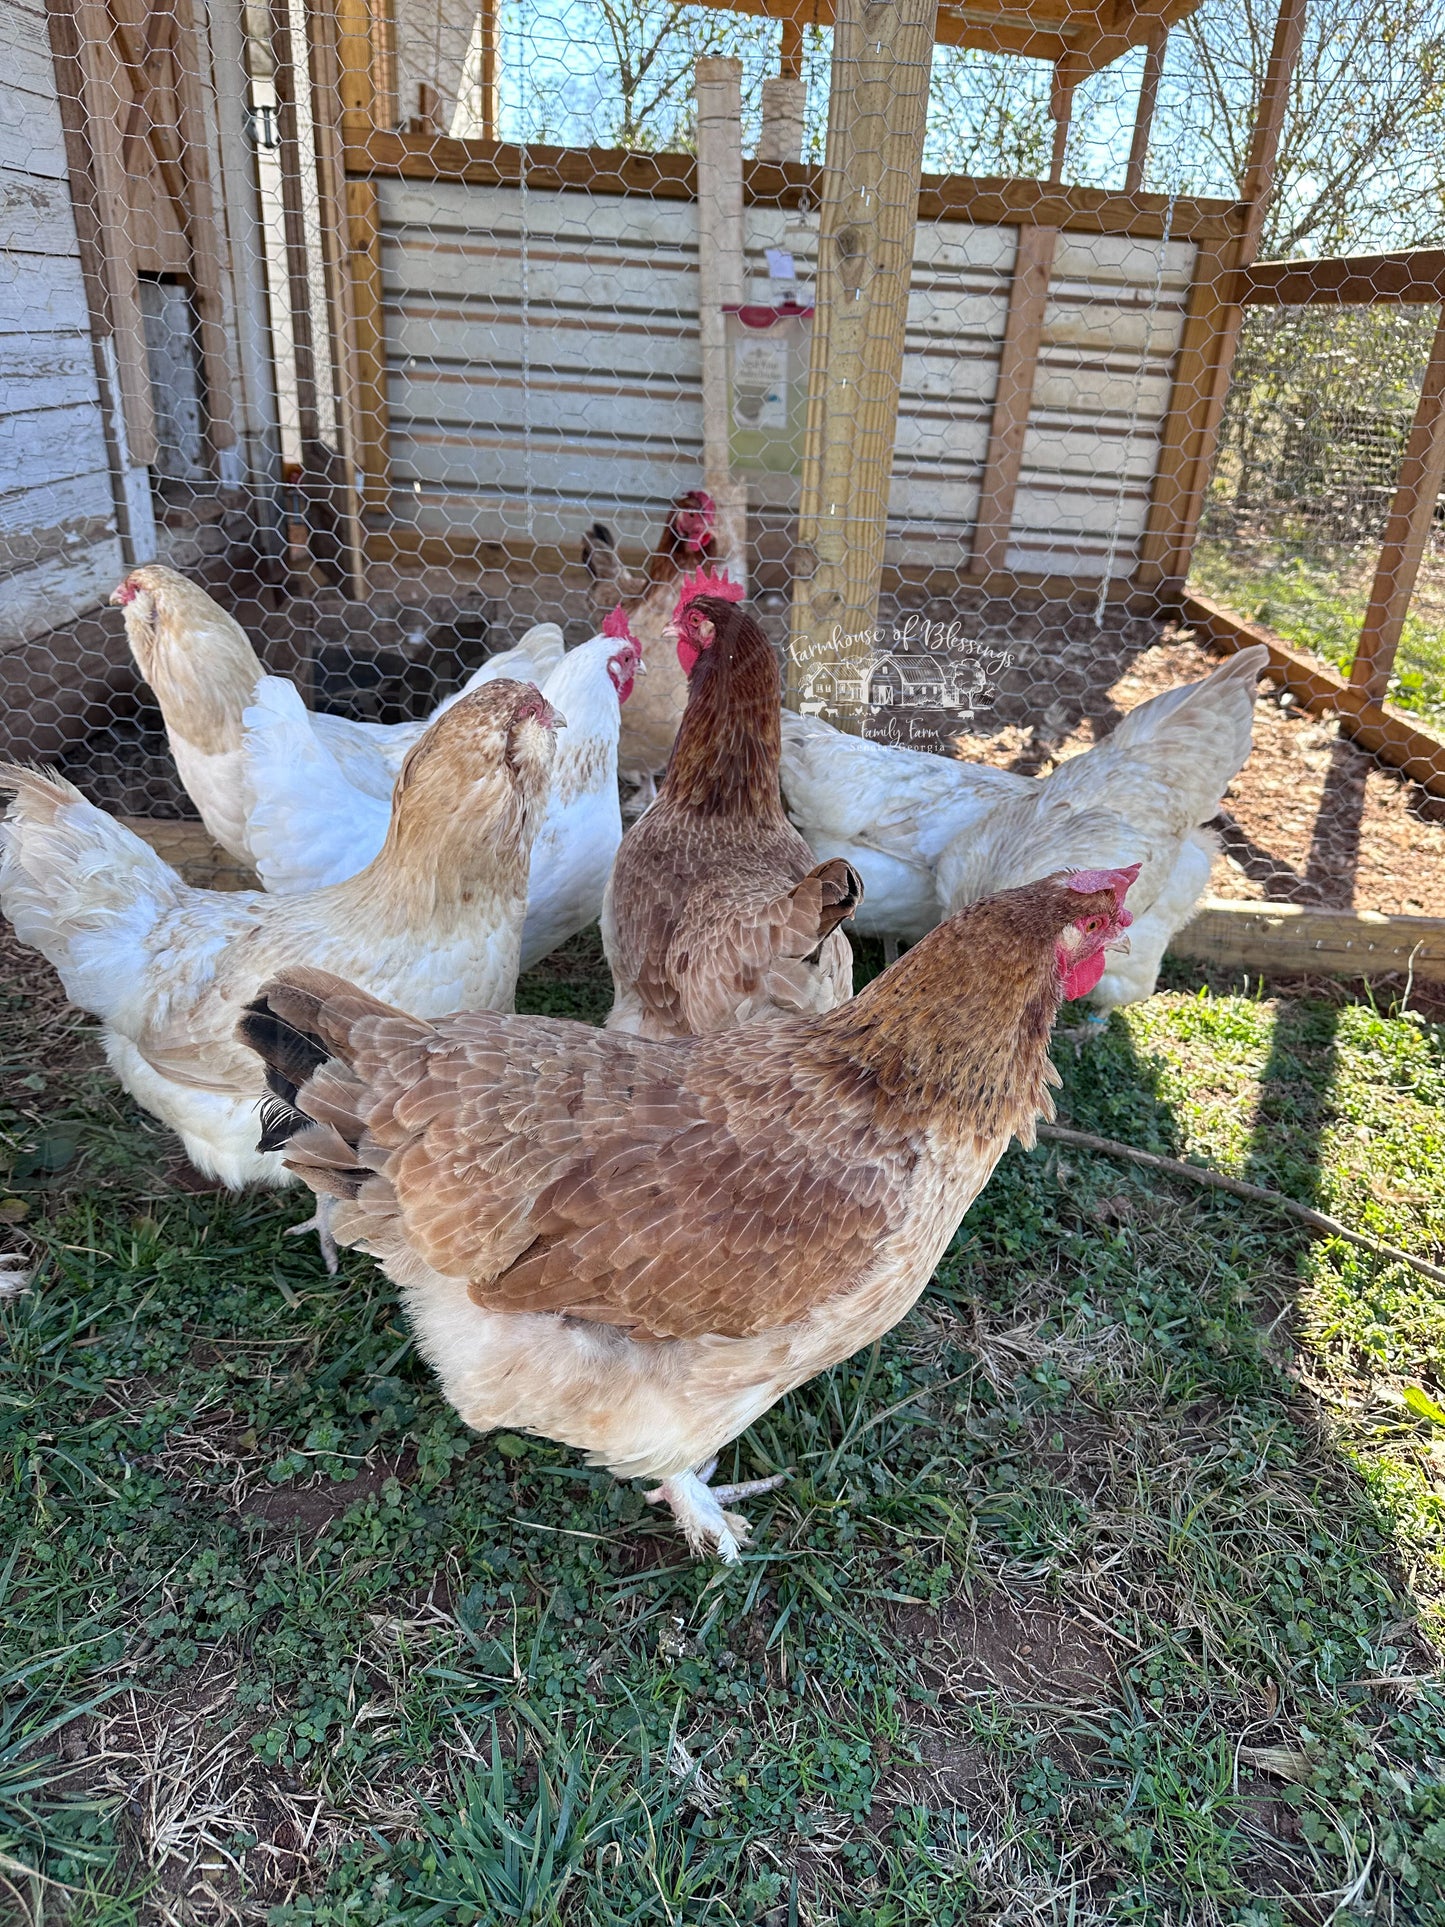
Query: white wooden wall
[[543, 371], [59, 548]]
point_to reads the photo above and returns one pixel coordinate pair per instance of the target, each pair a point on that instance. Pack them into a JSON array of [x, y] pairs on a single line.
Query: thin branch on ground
[[1238, 1188]]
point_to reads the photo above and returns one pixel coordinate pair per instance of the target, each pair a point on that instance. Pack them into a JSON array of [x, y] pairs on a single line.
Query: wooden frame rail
[[1298, 940], [1366, 721], [371, 154], [1358, 280]]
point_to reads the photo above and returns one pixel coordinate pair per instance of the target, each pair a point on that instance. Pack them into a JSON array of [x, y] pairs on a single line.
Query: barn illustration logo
[[916, 684]]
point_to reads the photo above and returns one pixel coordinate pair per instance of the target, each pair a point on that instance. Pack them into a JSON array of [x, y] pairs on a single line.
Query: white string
[[1144, 356]]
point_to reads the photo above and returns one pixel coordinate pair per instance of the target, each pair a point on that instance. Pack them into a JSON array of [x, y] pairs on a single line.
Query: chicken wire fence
[[391, 325]]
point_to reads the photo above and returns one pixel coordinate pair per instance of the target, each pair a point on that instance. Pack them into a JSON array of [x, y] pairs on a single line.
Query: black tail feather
[[291, 1057], [280, 1122]]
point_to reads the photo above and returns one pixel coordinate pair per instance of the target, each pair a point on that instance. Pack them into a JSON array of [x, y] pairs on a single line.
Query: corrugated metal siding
[[59, 552], [1112, 328], [542, 359], [543, 370]]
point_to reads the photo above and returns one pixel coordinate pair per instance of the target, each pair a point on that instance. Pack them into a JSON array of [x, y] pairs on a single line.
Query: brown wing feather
[[622, 1181], [736, 948], [670, 1189], [707, 916]]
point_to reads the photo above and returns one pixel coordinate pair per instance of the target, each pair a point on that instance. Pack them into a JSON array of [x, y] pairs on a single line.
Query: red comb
[[616, 625], [1116, 880], [705, 583]]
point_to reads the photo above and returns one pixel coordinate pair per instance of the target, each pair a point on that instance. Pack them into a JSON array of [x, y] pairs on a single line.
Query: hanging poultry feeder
[[768, 350]]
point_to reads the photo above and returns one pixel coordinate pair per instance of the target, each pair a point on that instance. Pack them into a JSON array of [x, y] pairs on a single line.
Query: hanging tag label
[[780, 265], [760, 383]]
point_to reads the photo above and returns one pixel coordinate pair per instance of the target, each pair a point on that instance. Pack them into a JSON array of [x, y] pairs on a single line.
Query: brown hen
[[636, 1248], [716, 912]]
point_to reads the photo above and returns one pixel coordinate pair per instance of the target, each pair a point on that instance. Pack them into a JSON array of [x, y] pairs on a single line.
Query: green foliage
[[1316, 600]]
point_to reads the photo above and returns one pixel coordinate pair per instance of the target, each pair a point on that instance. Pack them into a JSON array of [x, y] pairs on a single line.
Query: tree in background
[[1362, 155], [988, 114], [1320, 401]]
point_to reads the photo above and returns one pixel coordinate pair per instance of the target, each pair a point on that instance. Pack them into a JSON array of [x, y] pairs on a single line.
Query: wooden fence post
[[100, 96], [1229, 320], [1144, 118], [718, 84], [1017, 364], [1407, 531], [1061, 110], [327, 106], [877, 109]]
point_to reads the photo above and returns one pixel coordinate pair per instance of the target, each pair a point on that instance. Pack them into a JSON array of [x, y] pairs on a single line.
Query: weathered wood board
[[1283, 939]]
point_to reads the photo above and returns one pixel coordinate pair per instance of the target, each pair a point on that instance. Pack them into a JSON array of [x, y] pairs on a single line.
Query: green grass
[[1102, 1591], [1317, 602]]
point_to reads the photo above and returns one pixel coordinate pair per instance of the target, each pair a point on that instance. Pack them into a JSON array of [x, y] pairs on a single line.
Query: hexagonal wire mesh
[[391, 324]]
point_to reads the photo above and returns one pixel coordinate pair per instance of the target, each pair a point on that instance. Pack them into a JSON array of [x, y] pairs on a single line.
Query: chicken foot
[[320, 1223], [697, 1507]]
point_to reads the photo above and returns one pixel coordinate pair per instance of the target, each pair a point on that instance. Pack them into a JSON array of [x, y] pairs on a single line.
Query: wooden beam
[[1412, 515], [205, 230], [1018, 360], [1093, 35], [1258, 184], [1255, 195], [1366, 722], [790, 49], [1292, 939], [1416, 277], [101, 96], [785, 107], [1066, 77], [1144, 117], [374, 155], [356, 60], [364, 261], [298, 279], [239, 204], [490, 28], [130, 484], [332, 220], [877, 109], [719, 90], [1163, 560]]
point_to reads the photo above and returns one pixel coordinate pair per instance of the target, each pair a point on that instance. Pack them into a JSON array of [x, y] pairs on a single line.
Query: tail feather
[[831, 893], [303, 1028], [1170, 760], [80, 887]]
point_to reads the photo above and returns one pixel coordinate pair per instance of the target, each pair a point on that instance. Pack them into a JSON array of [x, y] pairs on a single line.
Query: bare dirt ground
[[1309, 819]]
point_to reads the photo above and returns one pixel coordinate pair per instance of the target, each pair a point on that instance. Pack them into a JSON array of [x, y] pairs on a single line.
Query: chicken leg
[[698, 1509], [320, 1223]]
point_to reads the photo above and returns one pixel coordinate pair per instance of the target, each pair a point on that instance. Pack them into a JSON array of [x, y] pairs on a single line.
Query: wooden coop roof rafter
[[1091, 36]]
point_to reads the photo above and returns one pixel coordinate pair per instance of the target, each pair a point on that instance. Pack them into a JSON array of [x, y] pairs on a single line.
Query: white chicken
[[435, 921], [203, 671], [929, 834], [311, 827]]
